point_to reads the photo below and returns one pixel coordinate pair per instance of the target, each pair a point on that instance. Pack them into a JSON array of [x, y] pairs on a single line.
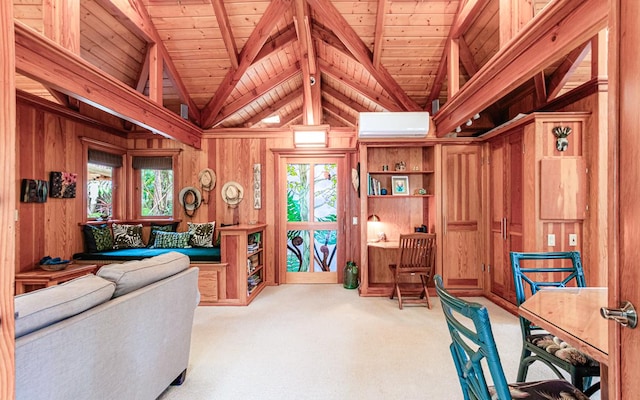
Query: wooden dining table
[[573, 314]]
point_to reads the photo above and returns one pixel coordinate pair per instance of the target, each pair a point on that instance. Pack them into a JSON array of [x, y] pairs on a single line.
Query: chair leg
[[591, 389], [523, 368], [425, 292], [397, 289]]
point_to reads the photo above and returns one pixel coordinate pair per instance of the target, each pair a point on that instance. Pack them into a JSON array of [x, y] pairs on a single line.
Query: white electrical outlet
[[573, 239], [551, 239], [355, 221]]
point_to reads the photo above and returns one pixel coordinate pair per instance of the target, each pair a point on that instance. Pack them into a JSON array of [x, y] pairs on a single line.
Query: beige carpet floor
[[324, 342]]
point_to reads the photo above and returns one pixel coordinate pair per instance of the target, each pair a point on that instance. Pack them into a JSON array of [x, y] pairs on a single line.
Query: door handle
[[504, 230], [625, 316]]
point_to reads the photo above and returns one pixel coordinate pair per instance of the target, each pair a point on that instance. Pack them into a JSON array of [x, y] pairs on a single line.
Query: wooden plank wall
[[49, 142]]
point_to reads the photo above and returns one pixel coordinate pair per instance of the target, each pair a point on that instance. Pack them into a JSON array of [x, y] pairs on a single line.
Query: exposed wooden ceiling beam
[[562, 74], [258, 37], [360, 51], [303, 30], [377, 98], [307, 61], [560, 27], [273, 108], [291, 118], [143, 76], [133, 15], [346, 101], [466, 15], [453, 68], [43, 60], [316, 98], [466, 58], [255, 94], [347, 119], [73, 115], [225, 30], [540, 85], [326, 36], [277, 43], [377, 38]]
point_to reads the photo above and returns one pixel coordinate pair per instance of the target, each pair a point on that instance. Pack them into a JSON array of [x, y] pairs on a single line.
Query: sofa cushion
[[201, 234], [40, 308], [97, 238], [162, 228], [127, 236], [172, 240], [133, 275]]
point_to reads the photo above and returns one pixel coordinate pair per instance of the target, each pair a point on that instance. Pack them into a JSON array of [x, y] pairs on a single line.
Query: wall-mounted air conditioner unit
[[411, 124]]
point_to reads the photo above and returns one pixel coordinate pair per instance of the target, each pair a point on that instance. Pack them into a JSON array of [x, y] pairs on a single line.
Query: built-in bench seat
[[195, 254], [211, 275]]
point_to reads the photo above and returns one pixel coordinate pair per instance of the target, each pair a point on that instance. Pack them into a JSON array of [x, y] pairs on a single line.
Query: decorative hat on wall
[[232, 193], [207, 178], [190, 199]]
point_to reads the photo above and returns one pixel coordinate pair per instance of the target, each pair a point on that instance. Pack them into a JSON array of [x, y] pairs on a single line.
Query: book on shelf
[[374, 186], [252, 247]]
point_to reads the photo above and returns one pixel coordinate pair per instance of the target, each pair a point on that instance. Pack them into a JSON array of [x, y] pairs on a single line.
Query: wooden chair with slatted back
[[416, 256]]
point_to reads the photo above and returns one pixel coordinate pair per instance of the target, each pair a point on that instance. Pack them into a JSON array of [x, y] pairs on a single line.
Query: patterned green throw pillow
[[163, 228], [127, 236], [97, 238], [201, 234], [171, 240]]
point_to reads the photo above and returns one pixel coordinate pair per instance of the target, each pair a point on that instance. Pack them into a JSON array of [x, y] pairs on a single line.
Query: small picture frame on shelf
[[400, 185]]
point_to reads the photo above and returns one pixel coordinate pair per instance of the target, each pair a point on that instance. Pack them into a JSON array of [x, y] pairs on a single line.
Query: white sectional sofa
[[124, 333]]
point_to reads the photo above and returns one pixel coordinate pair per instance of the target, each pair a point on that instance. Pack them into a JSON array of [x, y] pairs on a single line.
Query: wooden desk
[[379, 276], [40, 277], [573, 314]]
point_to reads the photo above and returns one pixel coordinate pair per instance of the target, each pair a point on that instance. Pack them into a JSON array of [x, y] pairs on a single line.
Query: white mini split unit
[[377, 125]]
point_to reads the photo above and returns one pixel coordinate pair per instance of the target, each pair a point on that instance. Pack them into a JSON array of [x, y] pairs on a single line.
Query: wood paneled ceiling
[[233, 63]]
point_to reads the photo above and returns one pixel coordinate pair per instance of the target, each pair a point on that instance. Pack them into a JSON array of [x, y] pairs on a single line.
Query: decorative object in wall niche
[[400, 185], [561, 133], [190, 198], [34, 191], [207, 178], [62, 185], [355, 178], [401, 166], [232, 193], [257, 186]]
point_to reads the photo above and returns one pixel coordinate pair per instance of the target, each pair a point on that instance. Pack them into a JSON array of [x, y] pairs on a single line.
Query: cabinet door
[[462, 208], [505, 174]]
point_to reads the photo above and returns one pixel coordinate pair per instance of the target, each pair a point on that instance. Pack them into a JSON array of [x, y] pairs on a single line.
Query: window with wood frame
[[153, 173], [104, 176]]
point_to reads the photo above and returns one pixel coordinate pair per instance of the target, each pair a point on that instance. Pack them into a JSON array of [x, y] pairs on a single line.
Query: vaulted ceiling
[[233, 63]]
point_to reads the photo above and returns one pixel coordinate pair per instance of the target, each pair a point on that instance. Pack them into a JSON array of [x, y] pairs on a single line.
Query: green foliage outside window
[[157, 192]]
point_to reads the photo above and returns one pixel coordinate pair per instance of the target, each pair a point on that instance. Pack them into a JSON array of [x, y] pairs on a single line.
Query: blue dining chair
[[473, 347], [551, 269]]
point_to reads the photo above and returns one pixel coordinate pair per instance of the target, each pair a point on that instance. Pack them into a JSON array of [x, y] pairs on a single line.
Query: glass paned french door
[[312, 207]]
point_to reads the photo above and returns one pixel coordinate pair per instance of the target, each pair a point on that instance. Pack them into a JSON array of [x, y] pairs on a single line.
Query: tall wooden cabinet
[[506, 168], [537, 193], [399, 213], [462, 227]]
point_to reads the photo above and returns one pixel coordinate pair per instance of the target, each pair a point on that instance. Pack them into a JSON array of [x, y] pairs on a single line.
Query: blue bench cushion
[[195, 254]]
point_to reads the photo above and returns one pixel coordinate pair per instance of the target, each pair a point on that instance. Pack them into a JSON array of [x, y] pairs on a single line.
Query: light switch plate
[[355, 221], [551, 239]]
